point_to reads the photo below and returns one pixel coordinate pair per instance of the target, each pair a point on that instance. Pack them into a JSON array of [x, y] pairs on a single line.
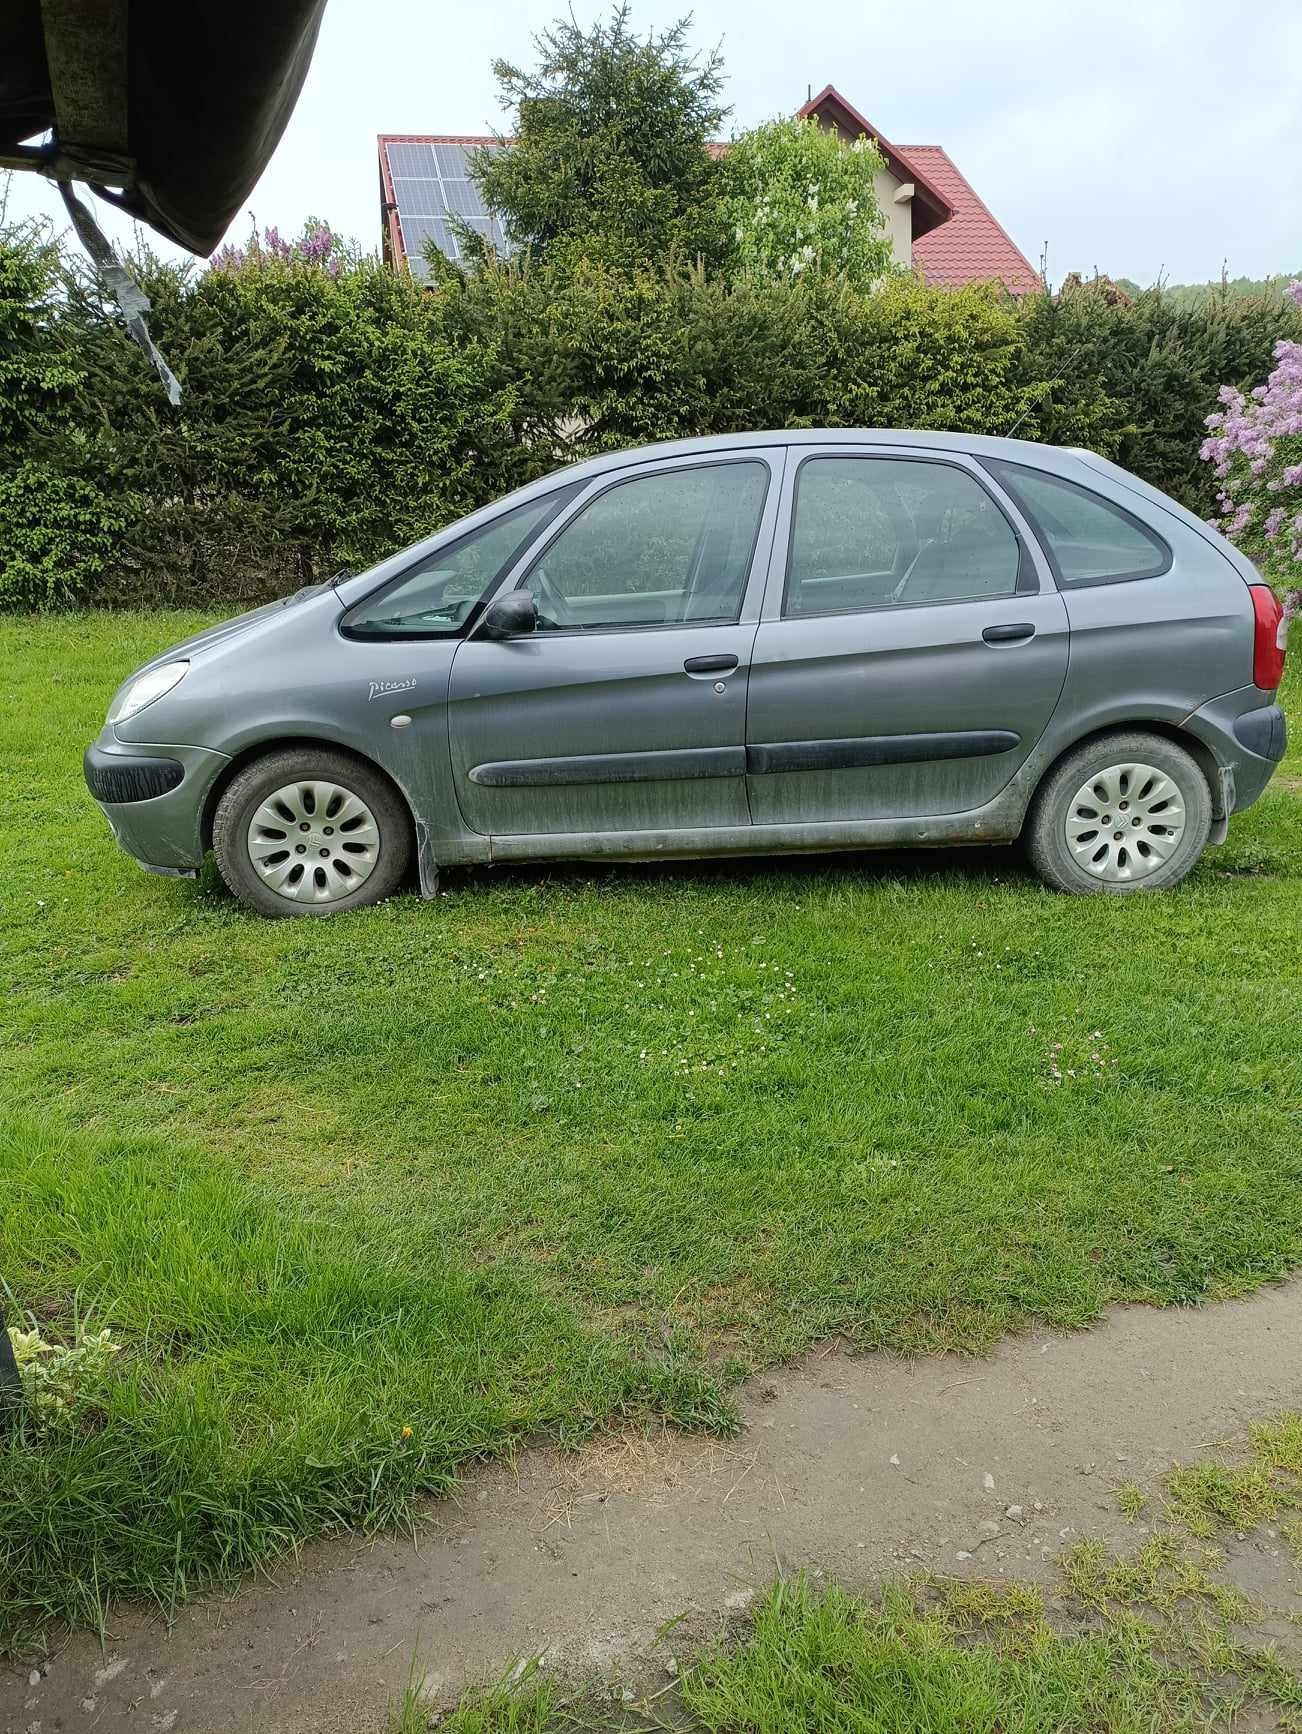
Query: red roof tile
[[456, 138], [972, 245]]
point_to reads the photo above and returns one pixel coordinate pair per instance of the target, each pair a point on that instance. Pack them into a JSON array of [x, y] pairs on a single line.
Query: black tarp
[[179, 103]]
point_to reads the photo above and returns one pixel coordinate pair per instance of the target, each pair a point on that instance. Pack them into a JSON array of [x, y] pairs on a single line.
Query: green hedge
[[1137, 379], [324, 421], [594, 360], [328, 419]]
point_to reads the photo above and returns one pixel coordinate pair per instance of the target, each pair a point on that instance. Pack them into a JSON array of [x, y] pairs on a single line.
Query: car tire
[[292, 796], [1159, 828]]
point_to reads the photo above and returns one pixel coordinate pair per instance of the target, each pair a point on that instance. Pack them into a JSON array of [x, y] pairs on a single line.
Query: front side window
[[869, 532], [657, 550], [1088, 539], [435, 597]]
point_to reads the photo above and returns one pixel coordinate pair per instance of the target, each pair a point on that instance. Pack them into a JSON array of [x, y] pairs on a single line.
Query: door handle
[[710, 664], [1013, 633]]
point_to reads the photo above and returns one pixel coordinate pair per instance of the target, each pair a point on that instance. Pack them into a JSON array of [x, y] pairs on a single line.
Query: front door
[[910, 659], [626, 709]]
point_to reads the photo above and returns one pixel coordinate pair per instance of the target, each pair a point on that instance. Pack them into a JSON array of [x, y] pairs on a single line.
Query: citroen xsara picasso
[[774, 641]]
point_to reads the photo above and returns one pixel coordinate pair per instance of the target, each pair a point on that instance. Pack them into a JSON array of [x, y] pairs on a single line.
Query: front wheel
[[1125, 812], [311, 832]]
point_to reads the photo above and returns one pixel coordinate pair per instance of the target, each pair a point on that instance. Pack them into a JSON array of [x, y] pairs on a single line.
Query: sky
[[1141, 137]]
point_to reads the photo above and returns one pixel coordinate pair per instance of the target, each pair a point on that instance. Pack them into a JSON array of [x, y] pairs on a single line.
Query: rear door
[[912, 646], [625, 710]]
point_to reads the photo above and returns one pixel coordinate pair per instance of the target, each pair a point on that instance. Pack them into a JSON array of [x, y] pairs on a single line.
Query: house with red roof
[[937, 222]]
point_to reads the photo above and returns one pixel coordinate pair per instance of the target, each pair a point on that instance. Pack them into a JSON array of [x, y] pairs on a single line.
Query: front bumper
[[153, 796]]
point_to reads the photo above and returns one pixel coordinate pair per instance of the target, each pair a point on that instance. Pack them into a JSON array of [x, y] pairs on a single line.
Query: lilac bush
[[317, 246], [1255, 443]]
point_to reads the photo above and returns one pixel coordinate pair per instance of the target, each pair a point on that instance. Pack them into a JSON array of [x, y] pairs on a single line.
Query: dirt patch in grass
[[638, 1549]]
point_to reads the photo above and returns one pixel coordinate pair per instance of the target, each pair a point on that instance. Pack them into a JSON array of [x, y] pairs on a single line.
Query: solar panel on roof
[[491, 227], [431, 184], [463, 198], [416, 231], [412, 159], [451, 159], [419, 198]]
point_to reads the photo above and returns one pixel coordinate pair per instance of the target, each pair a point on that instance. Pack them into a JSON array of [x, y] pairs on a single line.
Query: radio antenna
[[1044, 391]]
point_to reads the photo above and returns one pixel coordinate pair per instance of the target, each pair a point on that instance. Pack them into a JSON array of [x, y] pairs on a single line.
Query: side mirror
[[511, 616]]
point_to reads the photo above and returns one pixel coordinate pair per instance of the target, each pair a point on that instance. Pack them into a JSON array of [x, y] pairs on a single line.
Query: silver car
[[816, 640]]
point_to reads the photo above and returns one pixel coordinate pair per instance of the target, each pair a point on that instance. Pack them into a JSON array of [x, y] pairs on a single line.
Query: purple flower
[[318, 247], [1254, 445]]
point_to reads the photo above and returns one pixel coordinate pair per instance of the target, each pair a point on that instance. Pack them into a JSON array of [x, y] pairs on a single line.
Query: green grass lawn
[[573, 1143]]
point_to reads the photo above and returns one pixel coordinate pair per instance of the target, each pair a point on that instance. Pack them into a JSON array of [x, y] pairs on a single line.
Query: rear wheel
[[311, 832], [1125, 812]]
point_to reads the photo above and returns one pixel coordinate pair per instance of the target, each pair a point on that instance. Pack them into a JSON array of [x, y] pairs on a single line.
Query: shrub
[[595, 359], [1255, 449], [317, 245], [56, 1376], [324, 422], [1136, 380], [38, 378], [915, 356], [334, 410], [56, 527], [58, 534], [798, 199]]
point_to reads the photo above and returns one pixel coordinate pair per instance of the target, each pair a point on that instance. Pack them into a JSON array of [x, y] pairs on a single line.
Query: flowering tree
[[318, 246], [800, 199], [1255, 444]]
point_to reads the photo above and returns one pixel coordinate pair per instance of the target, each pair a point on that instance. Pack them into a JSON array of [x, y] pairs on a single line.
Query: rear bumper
[[1247, 734], [153, 796], [1263, 732]]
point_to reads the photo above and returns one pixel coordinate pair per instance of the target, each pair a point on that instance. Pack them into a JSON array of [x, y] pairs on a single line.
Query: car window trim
[[997, 467], [1028, 577], [557, 501], [756, 455]]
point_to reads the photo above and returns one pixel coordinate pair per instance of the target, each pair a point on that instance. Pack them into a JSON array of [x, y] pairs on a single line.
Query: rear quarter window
[[1088, 539]]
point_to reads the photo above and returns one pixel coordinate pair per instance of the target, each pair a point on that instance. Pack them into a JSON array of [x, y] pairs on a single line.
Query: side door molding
[[858, 752], [667, 765]]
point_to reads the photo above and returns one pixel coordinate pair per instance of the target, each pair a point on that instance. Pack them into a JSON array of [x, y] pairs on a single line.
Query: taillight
[[1267, 637]]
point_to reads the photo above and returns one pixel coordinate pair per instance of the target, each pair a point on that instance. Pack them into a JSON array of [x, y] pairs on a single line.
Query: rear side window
[[1087, 538], [870, 532]]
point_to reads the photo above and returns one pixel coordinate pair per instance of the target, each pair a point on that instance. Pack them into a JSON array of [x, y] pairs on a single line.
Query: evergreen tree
[[608, 157]]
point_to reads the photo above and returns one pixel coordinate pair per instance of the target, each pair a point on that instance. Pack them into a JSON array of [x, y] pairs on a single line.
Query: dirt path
[[856, 1467]]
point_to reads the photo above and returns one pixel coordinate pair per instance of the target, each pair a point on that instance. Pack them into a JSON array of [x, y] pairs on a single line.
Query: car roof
[[1074, 463], [977, 445]]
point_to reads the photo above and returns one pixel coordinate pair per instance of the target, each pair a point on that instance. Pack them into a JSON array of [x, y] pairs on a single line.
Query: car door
[[912, 646], [625, 709]]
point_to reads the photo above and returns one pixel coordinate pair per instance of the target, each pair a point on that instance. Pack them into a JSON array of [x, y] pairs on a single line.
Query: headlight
[[145, 689]]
